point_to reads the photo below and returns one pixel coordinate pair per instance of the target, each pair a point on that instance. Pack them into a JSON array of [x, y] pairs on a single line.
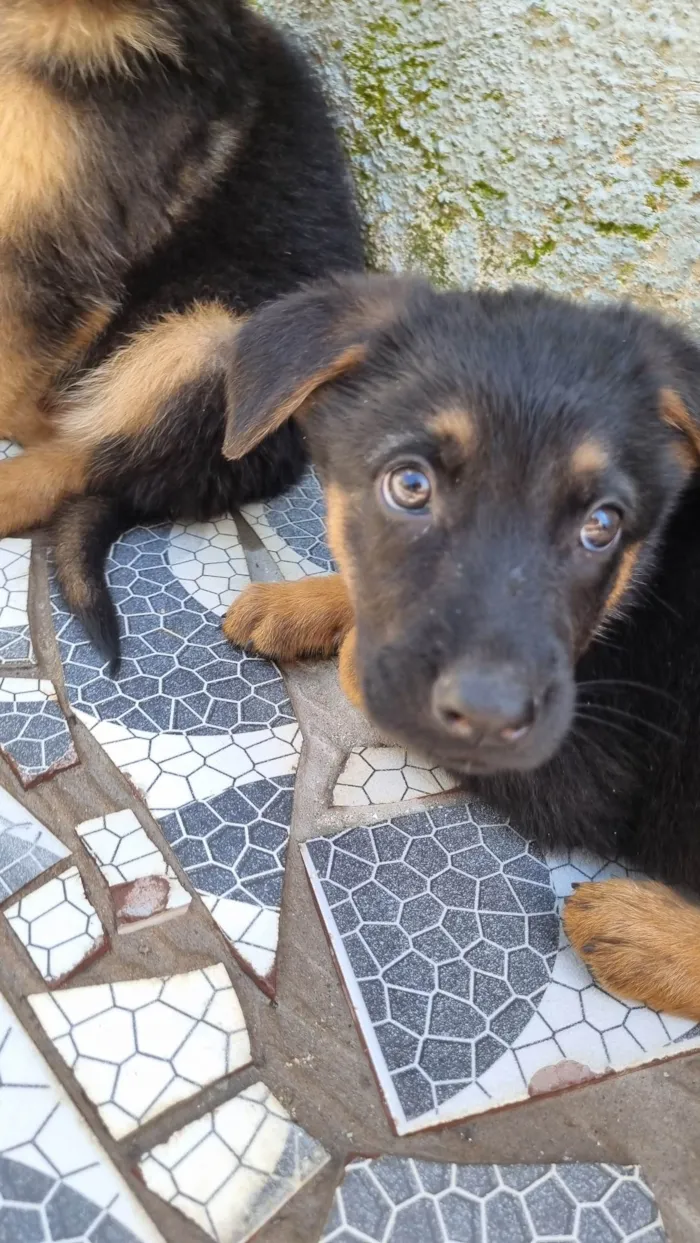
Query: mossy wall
[[496, 141]]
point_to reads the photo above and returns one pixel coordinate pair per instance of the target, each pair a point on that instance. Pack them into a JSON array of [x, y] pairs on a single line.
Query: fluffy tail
[[84, 530]]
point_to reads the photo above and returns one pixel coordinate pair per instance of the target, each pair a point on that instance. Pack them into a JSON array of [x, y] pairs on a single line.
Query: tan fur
[[202, 171], [33, 484], [348, 672], [640, 940], [287, 621], [457, 427], [89, 36], [336, 515], [675, 415], [625, 577], [589, 458], [69, 552], [41, 154], [125, 395]]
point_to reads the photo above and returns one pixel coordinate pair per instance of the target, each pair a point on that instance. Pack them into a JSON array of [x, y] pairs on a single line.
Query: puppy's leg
[[640, 940], [33, 484], [310, 617]]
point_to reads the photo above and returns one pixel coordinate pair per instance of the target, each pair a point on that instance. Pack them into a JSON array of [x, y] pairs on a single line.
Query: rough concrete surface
[[495, 141]]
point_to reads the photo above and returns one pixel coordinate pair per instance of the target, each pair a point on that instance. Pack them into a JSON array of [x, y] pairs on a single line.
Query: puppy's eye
[[407, 487], [601, 528]]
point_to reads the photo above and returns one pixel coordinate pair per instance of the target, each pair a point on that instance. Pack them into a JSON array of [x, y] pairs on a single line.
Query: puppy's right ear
[[289, 348]]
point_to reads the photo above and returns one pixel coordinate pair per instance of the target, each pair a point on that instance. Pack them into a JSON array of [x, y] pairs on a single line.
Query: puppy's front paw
[[288, 620], [640, 940]]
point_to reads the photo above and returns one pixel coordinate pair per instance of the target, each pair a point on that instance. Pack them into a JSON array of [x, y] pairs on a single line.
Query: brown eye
[[601, 528], [407, 487]]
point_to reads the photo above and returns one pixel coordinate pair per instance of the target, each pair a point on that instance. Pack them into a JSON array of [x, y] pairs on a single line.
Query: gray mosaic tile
[[203, 730], [26, 846], [445, 926], [34, 734], [56, 1182], [292, 528], [399, 1200]]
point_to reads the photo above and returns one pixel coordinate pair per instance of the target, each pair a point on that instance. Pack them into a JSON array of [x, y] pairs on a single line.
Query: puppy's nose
[[484, 703]]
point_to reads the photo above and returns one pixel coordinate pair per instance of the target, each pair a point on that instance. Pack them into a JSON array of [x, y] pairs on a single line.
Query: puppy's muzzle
[[487, 704]]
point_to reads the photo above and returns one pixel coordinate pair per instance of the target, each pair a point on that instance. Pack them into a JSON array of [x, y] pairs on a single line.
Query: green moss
[[496, 96], [538, 13], [672, 178], [656, 202], [426, 239], [530, 256], [484, 190], [610, 228]]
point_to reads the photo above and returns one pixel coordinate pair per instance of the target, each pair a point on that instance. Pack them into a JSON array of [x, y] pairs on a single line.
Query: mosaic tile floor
[[445, 927], [139, 1046], [440, 921], [56, 1183], [392, 1200], [231, 1170]]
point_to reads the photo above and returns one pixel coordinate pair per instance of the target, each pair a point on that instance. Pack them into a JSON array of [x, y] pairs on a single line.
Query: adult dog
[[513, 504]]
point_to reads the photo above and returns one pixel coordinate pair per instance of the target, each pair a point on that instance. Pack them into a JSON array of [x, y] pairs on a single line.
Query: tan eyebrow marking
[[456, 425], [590, 457]]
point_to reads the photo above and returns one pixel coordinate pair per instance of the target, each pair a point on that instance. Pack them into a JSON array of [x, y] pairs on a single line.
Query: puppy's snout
[[482, 703]]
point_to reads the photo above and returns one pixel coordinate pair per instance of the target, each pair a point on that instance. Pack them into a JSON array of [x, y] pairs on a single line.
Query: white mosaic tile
[[139, 1046], [173, 770], [399, 1200], [58, 926], [445, 926], [388, 775], [26, 847], [233, 1169], [143, 888], [209, 561], [292, 528], [56, 1182], [204, 731], [9, 449], [252, 930], [34, 734], [15, 637]]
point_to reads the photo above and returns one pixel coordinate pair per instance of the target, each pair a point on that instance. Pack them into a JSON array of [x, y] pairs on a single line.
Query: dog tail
[[84, 530]]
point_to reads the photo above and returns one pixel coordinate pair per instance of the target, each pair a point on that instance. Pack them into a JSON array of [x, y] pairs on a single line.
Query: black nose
[[485, 703]]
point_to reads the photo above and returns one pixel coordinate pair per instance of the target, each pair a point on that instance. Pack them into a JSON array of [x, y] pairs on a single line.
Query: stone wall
[[499, 141]]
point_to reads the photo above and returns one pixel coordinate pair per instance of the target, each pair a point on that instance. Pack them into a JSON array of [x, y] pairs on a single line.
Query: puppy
[[167, 166], [513, 503]]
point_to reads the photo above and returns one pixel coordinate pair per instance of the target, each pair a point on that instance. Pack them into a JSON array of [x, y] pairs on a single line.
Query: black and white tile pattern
[[206, 732], [398, 1200], [27, 848], [56, 1183], [293, 529], [34, 734], [445, 927]]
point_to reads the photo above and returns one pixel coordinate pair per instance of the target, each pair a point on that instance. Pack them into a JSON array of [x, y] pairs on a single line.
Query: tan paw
[[640, 940], [286, 621]]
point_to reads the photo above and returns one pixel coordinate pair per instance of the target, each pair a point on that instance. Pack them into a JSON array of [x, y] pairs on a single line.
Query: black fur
[[277, 211], [494, 571]]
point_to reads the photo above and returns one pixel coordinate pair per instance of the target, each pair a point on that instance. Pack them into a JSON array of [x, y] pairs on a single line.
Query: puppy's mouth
[[475, 721]]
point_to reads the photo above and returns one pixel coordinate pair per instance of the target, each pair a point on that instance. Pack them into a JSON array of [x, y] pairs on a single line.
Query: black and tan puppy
[[513, 502], [166, 166]]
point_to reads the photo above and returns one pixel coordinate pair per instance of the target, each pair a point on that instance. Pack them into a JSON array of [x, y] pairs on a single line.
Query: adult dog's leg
[[641, 940]]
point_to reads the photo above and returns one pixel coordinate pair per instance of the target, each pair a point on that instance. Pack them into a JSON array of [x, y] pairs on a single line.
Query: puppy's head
[[498, 471]]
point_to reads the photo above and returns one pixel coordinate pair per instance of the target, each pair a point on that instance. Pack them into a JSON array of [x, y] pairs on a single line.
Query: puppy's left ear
[[676, 414], [286, 351]]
